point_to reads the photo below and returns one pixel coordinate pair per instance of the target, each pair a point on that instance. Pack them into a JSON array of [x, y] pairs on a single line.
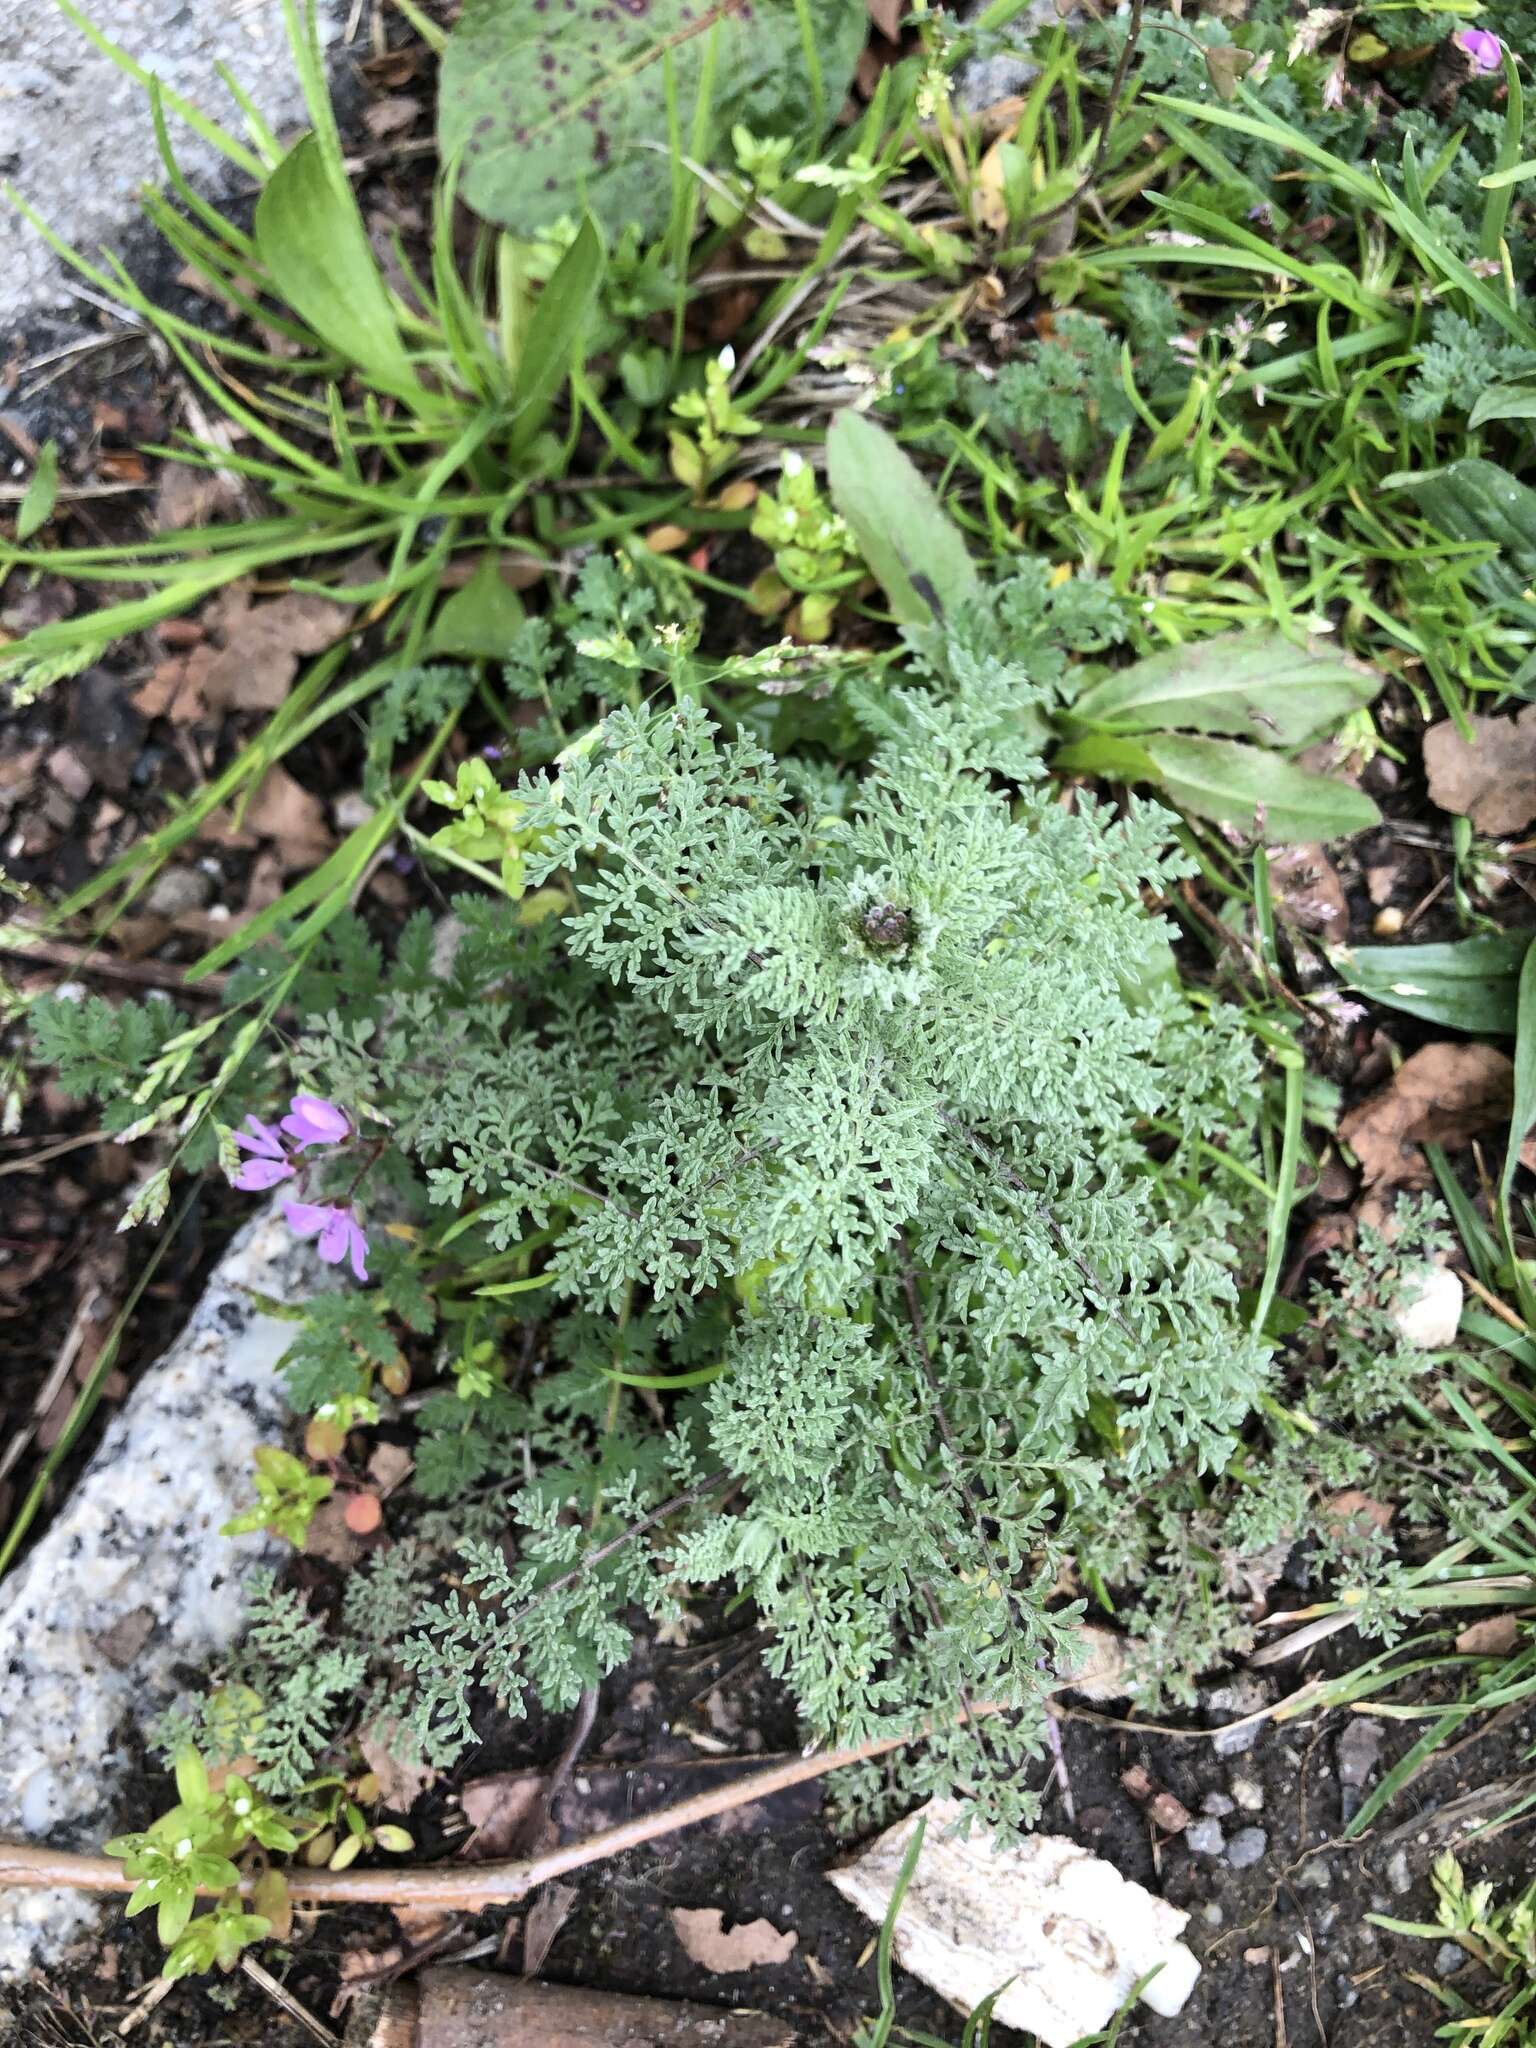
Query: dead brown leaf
[[391, 115], [1308, 891], [753, 1945], [263, 644], [329, 1537], [1444, 1094], [389, 1466], [175, 687], [548, 1913], [189, 496], [504, 1810], [1495, 1636], [1490, 778], [1353, 1505], [887, 16], [396, 1763], [283, 811]]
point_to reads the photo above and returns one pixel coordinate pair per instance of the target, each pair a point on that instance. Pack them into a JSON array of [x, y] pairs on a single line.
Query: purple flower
[[1482, 46], [341, 1235], [314, 1121], [269, 1164]]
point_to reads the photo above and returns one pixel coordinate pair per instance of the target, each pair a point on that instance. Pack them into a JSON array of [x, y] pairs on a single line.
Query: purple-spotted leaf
[[557, 108]]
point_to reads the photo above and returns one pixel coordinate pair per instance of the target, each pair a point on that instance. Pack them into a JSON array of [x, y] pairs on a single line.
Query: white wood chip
[[1065, 1926]]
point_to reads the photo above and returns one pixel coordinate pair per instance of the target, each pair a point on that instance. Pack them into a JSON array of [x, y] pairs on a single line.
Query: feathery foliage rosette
[[824, 1109]]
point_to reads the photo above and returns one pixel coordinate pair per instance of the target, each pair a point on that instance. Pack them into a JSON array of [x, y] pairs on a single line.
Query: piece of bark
[[455, 2008]]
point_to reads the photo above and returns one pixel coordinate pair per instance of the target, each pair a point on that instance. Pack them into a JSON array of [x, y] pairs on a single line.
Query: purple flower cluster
[[311, 1120]]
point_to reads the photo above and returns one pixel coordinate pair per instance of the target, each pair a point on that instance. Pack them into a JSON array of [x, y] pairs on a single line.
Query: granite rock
[[132, 1579], [76, 135]]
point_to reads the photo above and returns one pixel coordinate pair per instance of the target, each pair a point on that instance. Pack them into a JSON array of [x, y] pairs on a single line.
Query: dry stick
[[19, 944], [281, 1995], [453, 1887], [467, 1888]]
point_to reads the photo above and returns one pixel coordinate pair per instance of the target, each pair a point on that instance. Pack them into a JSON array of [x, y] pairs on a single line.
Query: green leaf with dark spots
[[559, 107]]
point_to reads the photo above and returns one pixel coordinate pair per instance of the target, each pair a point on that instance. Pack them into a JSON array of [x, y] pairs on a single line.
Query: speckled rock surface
[[1007, 70], [133, 1578], [76, 137]]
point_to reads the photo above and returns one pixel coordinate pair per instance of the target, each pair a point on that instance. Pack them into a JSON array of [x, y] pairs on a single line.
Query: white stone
[[132, 1579], [1427, 1311], [77, 136], [1065, 1926]]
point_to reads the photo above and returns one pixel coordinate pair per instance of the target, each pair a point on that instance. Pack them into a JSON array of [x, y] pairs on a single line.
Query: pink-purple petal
[[255, 1175], [314, 1121], [305, 1218], [260, 1138], [1482, 46]]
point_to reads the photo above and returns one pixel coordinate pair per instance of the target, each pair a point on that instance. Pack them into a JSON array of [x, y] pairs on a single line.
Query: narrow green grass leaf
[[199, 122]]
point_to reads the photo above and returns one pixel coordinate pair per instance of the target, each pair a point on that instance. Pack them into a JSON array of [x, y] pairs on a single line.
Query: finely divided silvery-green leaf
[[1524, 1112], [902, 530], [1259, 686], [311, 239], [1463, 985], [36, 508], [1238, 785], [558, 107]]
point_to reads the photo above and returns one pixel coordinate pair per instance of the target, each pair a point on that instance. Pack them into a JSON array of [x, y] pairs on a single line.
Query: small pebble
[[1344, 1994], [1399, 1876], [1248, 1794], [177, 890], [1216, 1804], [1316, 1876], [1212, 1916], [1205, 1837], [1246, 1847], [1449, 1959]]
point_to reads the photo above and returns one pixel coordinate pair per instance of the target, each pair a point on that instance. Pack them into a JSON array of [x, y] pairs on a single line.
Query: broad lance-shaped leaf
[[1229, 782], [1465, 985], [1237, 785], [558, 107], [903, 532], [1524, 1113], [554, 334], [1259, 686], [311, 238]]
